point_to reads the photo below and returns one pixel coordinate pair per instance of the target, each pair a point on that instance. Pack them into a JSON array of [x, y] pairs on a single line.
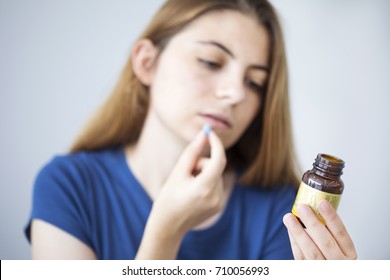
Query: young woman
[[191, 157]]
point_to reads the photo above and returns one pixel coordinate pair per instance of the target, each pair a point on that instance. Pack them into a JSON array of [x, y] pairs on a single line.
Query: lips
[[218, 120]]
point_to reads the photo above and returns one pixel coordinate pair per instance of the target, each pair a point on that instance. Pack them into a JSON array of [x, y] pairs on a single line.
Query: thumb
[[187, 162], [217, 161]]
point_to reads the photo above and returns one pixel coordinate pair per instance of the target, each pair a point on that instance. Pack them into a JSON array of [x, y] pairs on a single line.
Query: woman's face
[[212, 72]]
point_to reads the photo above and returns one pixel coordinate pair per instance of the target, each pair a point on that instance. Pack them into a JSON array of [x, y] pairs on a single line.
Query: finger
[[297, 252], [302, 240], [217, 162], [319, 233], [191, 154], [337, 229]]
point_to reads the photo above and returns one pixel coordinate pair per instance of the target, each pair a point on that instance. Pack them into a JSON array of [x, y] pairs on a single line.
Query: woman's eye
[[210, 64], [260, 89]]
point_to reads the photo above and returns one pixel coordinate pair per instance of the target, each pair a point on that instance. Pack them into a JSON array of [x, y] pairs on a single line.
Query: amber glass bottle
[[321, 182]]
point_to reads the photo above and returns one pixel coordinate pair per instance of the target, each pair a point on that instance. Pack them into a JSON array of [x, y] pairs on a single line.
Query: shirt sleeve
[[59, 198], [277, 240]]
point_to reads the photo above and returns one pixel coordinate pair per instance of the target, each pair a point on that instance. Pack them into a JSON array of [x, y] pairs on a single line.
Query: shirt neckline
[[134, 182]]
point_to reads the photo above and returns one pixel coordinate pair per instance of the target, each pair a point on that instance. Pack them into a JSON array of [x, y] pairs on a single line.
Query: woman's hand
[[193, 192], [318, 241]]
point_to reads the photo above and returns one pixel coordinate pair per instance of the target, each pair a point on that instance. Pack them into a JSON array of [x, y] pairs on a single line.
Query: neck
[[154, 155]]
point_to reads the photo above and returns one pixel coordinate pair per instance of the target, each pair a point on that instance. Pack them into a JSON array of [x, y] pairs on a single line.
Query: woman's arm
[[50, 242], [318, 241]]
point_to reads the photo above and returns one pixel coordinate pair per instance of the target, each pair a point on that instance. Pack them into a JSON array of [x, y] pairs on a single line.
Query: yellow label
[[311, 196]]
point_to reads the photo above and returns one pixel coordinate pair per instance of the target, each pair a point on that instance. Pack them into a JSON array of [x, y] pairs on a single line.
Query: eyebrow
[[226, 50]]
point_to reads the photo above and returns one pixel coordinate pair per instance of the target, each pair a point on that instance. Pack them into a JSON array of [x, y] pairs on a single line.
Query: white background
[[59, 60], [196, 269]]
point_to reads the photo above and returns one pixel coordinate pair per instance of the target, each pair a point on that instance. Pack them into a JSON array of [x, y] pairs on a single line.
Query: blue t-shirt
[[95, 197]]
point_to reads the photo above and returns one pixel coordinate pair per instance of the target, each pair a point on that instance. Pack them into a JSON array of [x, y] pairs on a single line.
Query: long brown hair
[[264, 154]]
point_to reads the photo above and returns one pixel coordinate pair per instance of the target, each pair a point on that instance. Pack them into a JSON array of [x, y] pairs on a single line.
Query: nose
[[232, 91]]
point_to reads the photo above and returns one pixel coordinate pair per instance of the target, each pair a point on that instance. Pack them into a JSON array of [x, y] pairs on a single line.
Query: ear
[[143, 58]]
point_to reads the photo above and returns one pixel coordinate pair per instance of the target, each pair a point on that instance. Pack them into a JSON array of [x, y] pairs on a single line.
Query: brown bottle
[[322, 182]]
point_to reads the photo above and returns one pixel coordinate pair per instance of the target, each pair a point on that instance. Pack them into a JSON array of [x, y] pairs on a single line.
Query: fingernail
[[289, 220], [324, 205], [302, 209], [207, 129]]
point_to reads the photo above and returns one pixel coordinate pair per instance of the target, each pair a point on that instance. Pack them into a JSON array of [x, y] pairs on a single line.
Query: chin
[[229, 144], [227, 140]]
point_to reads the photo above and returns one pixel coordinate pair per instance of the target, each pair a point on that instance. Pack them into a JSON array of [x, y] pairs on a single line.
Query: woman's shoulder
[[83, 158], [270, 191], [274, 198], [78, 166]]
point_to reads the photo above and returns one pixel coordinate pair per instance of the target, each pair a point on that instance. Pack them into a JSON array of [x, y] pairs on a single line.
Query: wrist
[[160, 240]]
